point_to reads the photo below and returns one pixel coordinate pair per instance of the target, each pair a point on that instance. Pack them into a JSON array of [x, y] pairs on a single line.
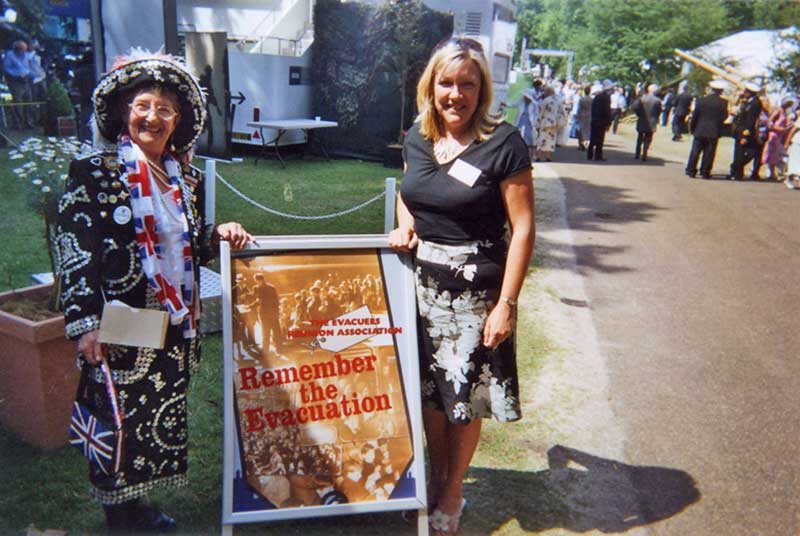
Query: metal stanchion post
[[391, 197], [210, 186]]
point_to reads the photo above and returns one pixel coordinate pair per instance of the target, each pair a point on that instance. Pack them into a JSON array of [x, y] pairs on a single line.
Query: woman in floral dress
[[466, 207], [549, 114]]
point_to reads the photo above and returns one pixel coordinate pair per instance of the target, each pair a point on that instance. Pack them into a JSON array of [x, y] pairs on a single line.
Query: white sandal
[[447, 523]]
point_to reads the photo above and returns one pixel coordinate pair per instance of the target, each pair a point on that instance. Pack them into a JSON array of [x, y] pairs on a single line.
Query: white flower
[[45, 189], [37, 182], [455, 363], [461, 411], [469, 271]]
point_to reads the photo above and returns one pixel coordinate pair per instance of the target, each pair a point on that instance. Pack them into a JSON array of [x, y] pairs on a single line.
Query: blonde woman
[[466, 207]]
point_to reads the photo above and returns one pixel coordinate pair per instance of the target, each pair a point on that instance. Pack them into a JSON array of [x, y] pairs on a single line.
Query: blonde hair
[[482, 123]]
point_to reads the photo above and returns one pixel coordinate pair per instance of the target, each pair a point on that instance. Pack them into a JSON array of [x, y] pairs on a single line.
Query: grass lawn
[[49, 489], [523, 82]]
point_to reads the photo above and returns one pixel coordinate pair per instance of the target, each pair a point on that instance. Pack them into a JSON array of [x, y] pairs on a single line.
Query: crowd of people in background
[[28, 70], [552, 112], [278, 315], [26, 80]]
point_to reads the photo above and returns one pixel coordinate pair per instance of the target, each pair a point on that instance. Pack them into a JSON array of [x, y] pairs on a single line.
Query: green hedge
[[361, 53]]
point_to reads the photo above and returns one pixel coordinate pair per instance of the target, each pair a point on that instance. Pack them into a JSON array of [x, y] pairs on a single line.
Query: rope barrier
[[296, 216], [12, 104]]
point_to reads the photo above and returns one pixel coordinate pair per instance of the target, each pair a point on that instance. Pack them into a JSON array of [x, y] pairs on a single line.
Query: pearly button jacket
[[96, 241]]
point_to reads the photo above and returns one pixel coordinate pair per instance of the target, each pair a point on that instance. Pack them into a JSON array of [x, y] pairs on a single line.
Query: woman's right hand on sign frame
[[403, 239]]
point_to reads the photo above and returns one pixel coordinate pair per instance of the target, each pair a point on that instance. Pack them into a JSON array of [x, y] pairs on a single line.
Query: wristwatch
[[509, 301]]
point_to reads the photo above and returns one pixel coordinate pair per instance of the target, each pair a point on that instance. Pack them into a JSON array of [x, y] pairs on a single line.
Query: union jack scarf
[[181, 306]]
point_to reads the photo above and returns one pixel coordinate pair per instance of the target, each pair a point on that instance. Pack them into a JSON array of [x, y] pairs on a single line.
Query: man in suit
[[267, 301], [647, 109], [746, 146], [601, 119], [683, 102], [709, 115]]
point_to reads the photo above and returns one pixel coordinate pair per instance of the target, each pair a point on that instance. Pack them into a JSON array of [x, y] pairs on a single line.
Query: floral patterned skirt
[[547, 139], [457, 286]]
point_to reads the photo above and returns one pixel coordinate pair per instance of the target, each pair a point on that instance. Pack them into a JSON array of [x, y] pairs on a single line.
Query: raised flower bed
[[40, 376]]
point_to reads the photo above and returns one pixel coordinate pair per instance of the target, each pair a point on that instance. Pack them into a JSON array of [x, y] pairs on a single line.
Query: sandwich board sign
[[322, 404]]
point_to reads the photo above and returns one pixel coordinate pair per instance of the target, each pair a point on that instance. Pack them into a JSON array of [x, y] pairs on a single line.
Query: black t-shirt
[[445, 209]]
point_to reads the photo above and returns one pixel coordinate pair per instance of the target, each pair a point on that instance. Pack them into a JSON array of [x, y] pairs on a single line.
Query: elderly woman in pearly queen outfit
[[132, 228]]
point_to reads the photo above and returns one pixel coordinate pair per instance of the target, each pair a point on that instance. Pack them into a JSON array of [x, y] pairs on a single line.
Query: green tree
[[761, 14], [365, 64], [633, 41], [405, 44], [787, 70], [550, 24]]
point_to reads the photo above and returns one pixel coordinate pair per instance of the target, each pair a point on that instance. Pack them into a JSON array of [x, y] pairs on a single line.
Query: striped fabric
[[180, 303]]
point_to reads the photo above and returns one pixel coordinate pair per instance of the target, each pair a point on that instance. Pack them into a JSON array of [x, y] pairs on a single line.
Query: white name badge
[[463, 172]]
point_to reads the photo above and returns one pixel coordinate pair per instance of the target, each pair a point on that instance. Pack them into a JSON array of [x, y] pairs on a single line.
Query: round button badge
[[122, 215]]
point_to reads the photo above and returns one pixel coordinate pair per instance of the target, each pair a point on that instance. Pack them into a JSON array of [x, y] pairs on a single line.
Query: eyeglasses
[[464, 43], [142, 109]]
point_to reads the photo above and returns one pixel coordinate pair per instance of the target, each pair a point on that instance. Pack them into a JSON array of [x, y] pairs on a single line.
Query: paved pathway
[[676, 302]]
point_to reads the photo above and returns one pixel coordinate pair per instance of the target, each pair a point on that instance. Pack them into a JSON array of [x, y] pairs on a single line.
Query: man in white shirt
[[618, 105], [16, 69]]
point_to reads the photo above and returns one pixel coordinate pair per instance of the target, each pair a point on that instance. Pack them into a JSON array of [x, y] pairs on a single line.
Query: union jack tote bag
[[98, 440]]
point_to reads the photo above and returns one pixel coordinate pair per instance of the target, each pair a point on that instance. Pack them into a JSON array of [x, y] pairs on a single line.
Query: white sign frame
[[401, 288]]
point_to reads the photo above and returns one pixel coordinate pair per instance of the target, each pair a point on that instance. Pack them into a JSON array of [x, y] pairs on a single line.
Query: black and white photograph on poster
[[207, 56], [347, 438]]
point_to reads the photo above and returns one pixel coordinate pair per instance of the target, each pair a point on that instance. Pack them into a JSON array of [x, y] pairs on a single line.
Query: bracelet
[[509, 301]]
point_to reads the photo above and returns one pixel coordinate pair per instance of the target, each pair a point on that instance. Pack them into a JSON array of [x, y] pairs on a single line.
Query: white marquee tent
[[753, 52]]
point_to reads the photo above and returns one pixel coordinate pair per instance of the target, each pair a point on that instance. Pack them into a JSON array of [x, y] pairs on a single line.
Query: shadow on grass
[[578, 492]]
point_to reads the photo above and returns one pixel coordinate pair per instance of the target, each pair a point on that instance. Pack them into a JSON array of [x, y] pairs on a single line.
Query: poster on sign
[[322, 409]]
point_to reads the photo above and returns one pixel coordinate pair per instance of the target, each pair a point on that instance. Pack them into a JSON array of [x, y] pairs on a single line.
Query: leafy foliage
[[58, 102], [634, 41], [364, 56], [787, 71]]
